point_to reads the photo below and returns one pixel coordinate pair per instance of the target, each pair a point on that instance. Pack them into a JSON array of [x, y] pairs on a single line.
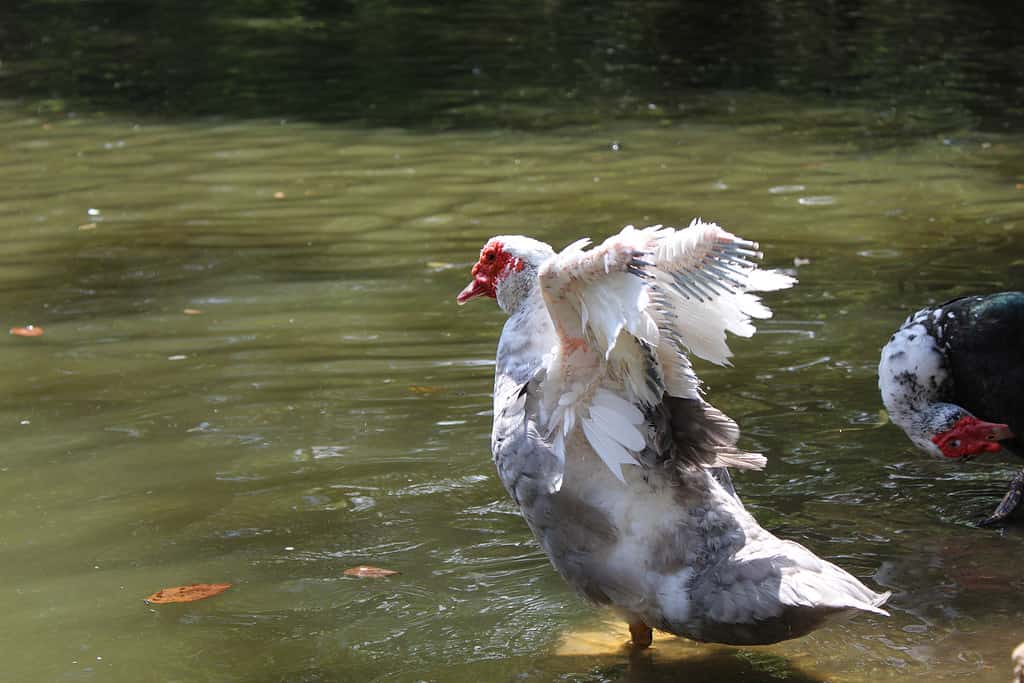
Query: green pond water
[[254, 371]]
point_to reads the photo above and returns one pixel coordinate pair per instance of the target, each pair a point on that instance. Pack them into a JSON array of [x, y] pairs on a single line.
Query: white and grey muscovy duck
[[952, 377], [603, 439]]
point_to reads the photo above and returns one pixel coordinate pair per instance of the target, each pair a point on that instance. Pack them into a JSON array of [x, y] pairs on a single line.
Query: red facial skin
[[495, 264], [970, 436]]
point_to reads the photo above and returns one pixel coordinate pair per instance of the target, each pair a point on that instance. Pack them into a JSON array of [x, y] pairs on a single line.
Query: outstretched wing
[[625, 313]]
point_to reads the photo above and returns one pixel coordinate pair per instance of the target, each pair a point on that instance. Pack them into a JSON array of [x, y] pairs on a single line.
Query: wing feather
[[626, 313], [610, 451], [617, 405], [704, 276]]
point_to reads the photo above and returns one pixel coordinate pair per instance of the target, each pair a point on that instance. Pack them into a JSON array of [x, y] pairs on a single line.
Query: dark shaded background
[[524, 64]]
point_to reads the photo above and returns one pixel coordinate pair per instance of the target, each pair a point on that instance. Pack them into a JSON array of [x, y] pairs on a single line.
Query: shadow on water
[[532, 65], [716, 665], [684, 661]]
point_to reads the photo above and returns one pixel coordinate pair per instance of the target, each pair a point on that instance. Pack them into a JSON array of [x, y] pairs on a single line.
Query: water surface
[[254, 371]]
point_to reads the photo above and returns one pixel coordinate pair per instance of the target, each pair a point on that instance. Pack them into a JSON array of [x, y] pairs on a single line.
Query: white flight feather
[[558, 446], [768, 280], [603, 398], [609, 450], [617, 426], [694, 289], [568, 423], [725, 306]]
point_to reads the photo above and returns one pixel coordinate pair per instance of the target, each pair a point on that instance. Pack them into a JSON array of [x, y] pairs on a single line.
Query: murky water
[[253, 371], [322, 403]]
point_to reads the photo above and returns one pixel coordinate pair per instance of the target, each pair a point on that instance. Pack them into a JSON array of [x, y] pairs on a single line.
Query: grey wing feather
[[527, 464], [721, 475], [570, 530], [692, 432]]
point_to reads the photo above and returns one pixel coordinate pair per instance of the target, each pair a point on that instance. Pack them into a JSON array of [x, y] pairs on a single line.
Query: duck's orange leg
[[641, 634]]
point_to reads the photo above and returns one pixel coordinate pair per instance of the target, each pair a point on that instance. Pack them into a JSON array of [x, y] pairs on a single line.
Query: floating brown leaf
[[279, 195], [192, 311], [190, 593], [27, 331], [367, 572], [417, 389]]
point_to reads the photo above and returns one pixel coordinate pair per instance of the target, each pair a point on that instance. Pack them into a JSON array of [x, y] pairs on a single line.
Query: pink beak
[[996, 431], [478, 287]]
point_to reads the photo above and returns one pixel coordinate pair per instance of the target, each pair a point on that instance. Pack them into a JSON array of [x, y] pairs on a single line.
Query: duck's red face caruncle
[[495, 264], [970, 436]]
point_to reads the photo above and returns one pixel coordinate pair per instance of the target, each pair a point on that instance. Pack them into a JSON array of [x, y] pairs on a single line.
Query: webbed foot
[[1009, 502]]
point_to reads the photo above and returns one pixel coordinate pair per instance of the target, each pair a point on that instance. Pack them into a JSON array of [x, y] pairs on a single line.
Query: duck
[[602, 437], [952, 378]]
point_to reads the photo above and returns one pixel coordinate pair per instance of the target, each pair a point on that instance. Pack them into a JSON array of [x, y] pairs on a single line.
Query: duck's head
[[506, 270], [916, 385], [951, 432]]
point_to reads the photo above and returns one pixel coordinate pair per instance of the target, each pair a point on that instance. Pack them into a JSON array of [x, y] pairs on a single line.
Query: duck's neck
[[925, 420], [527, 337], [915, 383]]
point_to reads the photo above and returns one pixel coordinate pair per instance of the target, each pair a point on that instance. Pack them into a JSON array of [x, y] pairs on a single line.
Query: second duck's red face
[[970, 436]]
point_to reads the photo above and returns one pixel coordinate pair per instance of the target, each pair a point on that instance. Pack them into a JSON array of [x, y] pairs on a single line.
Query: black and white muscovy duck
[[602, 437], [952, 377]]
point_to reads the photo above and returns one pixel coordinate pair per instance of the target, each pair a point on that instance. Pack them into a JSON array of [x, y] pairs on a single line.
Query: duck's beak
[[987, 435], [477, 287], [996, 431]]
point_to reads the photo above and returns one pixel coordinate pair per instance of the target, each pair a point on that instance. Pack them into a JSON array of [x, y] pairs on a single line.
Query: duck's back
[[983, 339]]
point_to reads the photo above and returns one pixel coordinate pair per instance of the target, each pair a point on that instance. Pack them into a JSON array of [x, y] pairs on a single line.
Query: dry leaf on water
[[192, 311], [367, 572], [27, 331], [190, 593], [419, 389]]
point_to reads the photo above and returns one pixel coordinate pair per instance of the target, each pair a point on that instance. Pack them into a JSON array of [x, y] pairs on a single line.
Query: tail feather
[[740, 460], [772, 590]]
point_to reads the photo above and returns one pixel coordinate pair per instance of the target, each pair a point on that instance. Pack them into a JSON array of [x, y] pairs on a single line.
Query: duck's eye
[[955, 443], [490, 256]]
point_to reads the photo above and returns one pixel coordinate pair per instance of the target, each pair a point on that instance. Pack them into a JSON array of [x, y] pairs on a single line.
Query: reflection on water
[[254, 371], [926, 65]]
